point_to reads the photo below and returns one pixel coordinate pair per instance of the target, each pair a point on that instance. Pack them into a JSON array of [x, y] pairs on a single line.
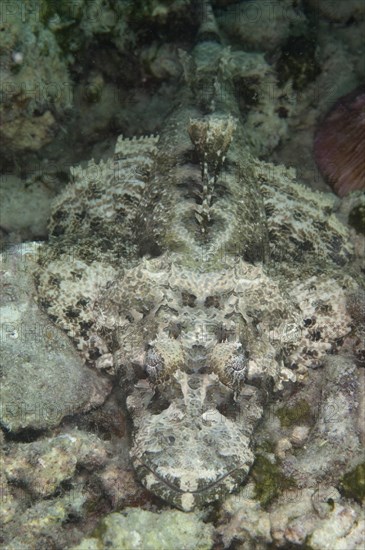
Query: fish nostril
[[194, 382], [212, 301], [188, 299]]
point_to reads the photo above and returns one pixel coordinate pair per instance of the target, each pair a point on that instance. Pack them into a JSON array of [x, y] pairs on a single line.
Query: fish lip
[[176, 489]]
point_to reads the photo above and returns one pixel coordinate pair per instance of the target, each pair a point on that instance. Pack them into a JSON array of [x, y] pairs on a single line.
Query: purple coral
[[339, 145]]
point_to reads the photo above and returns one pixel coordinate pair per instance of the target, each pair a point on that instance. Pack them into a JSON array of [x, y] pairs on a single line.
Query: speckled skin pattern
[[206, 279]]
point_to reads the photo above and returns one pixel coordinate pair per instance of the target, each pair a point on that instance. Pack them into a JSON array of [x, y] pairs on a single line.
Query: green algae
[[357, 218], [352, 484], [299, 414], [298, 62], [269, 480]]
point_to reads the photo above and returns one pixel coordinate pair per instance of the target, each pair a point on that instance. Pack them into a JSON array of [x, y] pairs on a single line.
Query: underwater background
[[75, 75]]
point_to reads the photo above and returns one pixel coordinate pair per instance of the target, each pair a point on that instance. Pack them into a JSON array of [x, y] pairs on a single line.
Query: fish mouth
[[188, 499]]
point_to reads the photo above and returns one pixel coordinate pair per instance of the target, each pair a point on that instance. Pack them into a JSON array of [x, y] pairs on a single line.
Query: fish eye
[[155, 365], [236, 369], [229, 361]]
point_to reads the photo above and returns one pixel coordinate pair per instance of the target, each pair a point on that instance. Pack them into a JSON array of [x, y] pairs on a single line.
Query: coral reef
[[34, 93], [38, 358], [135, 529], [259, 25], [19, 200], [305, 518], [339, 11], [42, 103], [42, 466]]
